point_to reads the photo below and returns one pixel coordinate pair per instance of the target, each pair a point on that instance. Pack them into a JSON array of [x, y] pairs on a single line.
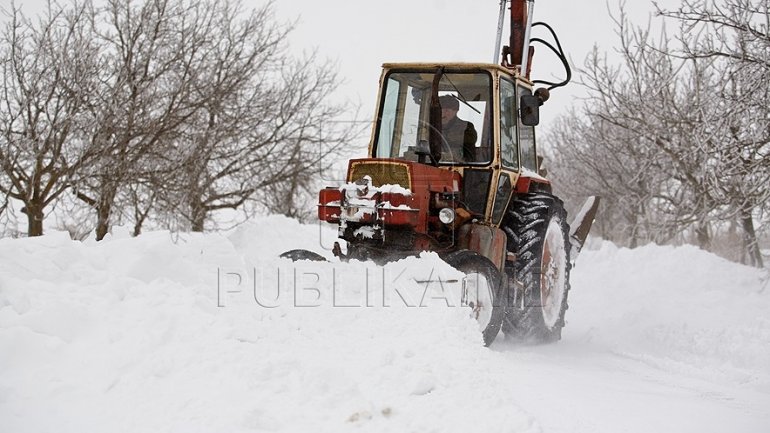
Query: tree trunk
[[104, 210], [702, 235], [197, 216], [750, 241], [34, 219], [139, 216], [103, 221], [197, 224], [138, 228], [633, 236]]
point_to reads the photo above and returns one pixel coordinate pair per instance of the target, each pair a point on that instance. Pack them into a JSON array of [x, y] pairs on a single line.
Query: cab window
[[527, 139], [509, 151], [403, 126]]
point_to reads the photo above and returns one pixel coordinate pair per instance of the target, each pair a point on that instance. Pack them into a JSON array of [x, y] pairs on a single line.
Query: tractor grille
[[382, 173]]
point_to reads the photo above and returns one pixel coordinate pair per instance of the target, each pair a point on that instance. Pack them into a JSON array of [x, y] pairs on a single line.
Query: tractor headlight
[[446, 215]]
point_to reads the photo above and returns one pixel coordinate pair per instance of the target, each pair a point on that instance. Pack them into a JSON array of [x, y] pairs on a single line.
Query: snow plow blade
[[296, 255], [581, 225]]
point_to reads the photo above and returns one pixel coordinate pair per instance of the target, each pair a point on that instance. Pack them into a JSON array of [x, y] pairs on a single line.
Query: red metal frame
[[425, 181]]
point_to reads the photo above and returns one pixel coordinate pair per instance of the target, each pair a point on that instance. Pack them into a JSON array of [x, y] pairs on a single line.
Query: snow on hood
[[372, 190]]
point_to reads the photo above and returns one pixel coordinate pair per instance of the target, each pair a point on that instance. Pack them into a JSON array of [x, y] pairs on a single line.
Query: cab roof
[[456, 65]]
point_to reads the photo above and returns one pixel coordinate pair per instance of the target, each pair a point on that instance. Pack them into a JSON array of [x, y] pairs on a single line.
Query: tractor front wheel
[[538, 235], [482, 291]]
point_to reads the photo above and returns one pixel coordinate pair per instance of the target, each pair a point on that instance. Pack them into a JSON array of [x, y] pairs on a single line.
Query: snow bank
[[679, 308], [187, 334], [214, 333]]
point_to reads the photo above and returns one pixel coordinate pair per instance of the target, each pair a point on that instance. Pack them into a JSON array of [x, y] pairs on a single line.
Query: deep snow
[[214, 333]]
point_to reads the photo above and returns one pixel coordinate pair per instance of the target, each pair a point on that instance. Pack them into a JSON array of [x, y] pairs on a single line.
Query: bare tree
[[158, 108], [688, 125], [607, 161], [151, 54], [202, 108], [48, 74], [737, 30], [267, 121], [735, 34], [640, 133]]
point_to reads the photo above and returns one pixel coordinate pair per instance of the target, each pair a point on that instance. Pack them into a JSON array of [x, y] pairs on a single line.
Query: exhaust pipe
[[500, 23]]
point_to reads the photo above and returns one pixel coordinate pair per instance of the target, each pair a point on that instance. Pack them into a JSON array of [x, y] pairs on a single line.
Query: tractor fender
[[486, 240]]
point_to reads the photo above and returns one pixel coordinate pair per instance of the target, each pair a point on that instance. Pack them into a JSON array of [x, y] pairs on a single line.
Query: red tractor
[[453, 168]]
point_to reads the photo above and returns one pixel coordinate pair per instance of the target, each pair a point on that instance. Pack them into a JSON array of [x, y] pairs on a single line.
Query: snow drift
[[215, 333]]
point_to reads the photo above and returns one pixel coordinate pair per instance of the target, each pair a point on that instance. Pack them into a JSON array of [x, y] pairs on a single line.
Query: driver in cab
[[459, 136]]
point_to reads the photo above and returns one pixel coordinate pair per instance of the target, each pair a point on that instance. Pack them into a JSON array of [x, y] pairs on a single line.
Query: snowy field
[[212, 333]]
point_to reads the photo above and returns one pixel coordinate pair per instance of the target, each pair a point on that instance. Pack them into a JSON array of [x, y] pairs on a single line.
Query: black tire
[[296, 255], [477, 266], [538, 234]]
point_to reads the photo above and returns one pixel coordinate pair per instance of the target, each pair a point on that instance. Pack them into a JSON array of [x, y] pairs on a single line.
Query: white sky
[[361, 35]]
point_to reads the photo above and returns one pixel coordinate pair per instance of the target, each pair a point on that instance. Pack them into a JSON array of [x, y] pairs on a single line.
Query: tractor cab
[[487, 99]]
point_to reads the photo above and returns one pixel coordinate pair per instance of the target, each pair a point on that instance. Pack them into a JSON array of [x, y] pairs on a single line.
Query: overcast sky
[[361, 35], [364, 34]]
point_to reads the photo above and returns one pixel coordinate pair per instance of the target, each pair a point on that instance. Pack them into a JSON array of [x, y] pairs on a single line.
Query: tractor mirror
[[529, 109]]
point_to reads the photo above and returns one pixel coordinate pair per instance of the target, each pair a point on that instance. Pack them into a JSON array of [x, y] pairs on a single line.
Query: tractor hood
[[387, 192], [408, 174]]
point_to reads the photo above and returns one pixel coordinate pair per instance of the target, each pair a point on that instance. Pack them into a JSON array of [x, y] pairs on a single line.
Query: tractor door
[[509, 150]]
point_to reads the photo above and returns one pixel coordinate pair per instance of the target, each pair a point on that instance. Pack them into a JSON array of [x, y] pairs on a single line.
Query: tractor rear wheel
[[482, 291], [538, 234]]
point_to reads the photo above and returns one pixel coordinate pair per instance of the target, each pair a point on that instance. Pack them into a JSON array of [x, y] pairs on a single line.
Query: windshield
[[404, 124]]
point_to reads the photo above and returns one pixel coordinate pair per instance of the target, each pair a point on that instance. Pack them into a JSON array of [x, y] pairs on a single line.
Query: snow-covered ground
[[211, 333]]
